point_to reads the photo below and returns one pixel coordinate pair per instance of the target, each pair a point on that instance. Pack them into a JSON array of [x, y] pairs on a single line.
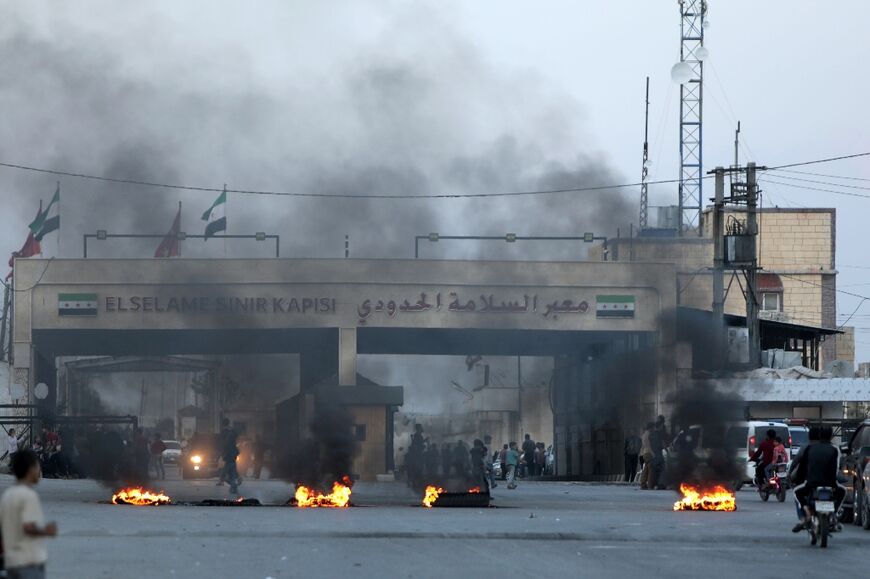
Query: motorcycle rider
[[819, 463], [780, 455], [763, 456]]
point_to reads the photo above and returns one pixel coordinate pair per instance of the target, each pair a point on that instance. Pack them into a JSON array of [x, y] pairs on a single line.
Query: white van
[[745, 437]]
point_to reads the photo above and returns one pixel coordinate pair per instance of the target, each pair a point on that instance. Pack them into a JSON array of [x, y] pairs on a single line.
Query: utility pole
[[4, 322], [752, 306], [719, 268], [644, 187], [735, 249], [737, 145]]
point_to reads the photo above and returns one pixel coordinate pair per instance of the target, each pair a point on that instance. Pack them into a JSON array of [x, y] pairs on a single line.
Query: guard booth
[[371, 408]]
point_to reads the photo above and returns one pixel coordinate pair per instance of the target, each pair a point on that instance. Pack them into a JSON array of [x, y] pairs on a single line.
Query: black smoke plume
[[702, 452], [326, 454]]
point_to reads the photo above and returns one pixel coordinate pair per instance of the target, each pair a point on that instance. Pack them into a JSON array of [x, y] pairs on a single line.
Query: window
[[771, 301], [359, 432]]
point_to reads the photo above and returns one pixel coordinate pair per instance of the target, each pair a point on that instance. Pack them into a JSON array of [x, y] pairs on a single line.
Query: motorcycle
[[780, 482], [823, 518], [773, 485]]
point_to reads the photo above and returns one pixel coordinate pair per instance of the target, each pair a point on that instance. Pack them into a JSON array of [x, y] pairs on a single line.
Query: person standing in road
[[488, 461], [446, 459], [512, 457], [540, 459], [22, 523], [502, 458], [156, 449], [229, 454], [259, 452], [12, 444], [432, 460], [141, 455], [647, 476], [477, 455], [631, 452], [529, 455], [658, 441]]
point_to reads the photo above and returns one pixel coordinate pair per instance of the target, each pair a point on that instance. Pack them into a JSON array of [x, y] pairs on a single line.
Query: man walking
[[156, 449], [12, 443], [502, 459], [22, 523], [647, 476], [229, 454], [478, 454], [529, 455], [512, 456], [631, 452], [488, 461]]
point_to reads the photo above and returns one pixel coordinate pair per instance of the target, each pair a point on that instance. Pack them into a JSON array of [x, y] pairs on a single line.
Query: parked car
[[800, 437], [865, 514], [747, 436], [855, 460], [201, 456], [172, 454]]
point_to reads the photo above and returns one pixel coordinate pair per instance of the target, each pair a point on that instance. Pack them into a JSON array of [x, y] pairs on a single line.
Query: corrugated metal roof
[[802, 390]]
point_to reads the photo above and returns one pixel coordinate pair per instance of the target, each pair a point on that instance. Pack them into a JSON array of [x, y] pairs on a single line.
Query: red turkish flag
[[170, 246]]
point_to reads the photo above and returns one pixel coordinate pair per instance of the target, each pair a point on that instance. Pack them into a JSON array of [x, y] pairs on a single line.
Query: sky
[[390, 96]]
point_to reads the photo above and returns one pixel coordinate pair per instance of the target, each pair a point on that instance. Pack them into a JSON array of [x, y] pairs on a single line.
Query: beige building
[[796, 251]]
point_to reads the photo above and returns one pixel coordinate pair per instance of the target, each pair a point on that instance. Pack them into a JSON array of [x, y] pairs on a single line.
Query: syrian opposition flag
[[77, 304], [48, 220], [216, 215], [170, 246], [614, 306]]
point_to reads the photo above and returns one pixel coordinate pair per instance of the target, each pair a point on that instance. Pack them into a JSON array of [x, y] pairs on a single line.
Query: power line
[[796, 186], [862, 187], [847, 177], [7, 285], [156, 184], [855, 311], [806, 281], [817, 161], [331, 195]]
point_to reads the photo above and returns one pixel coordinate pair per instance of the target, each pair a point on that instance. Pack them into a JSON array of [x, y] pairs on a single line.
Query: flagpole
[[226, 217], [40, 213], [58, 220], [179, 229]]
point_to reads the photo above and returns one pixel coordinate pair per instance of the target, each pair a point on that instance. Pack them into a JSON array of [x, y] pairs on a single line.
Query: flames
[[432, 494], [712, 498], [140, 497], [338, 498]]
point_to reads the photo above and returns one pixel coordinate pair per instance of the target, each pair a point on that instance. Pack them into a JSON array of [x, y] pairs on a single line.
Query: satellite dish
[[17, 392], [41, 391], [702, 53], [681, 73]]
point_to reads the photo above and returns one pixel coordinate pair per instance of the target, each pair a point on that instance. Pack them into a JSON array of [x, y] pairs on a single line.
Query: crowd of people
[[100, 452], [647, 454], [426, 461]]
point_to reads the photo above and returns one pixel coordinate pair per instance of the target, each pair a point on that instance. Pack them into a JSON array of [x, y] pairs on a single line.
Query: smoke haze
[[406, 106]]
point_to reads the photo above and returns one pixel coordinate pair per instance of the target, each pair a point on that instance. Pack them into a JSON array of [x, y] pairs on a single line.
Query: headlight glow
[[196, 459]]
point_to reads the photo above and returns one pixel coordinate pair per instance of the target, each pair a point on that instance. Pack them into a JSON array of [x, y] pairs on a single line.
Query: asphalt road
[[537, 530]]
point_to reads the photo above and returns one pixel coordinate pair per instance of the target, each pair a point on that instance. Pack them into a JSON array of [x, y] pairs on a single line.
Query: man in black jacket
[[816, 466], [529, 455]]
